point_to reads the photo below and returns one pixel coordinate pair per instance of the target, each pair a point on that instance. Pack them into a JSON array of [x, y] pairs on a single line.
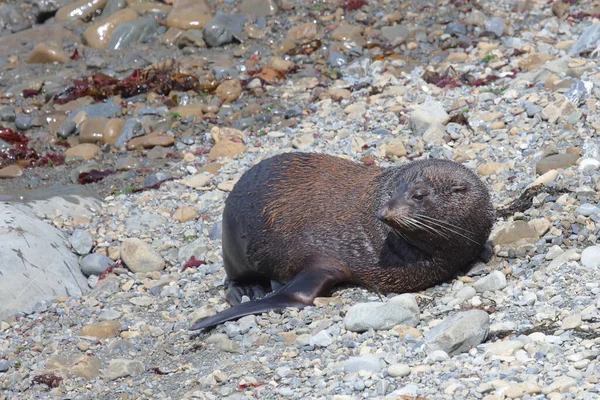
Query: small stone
[[303, 141], [457, 57], [590, 257], [398, 370], [503, 347], [67, 129], [553, 252], [555, 161], [571, 322], [512, 232], [495, 25], [347, 33], [95, 264], [494, 281], [321, 339], [223, 343], [557, 109], [23, 121], [229, 90], [101, 330], [395, 148], [438, 356], [140, 257], [369, 362], [459, 333], [587, 210], [97, 35], [399, 310], [81, 241], [491, 168], [47, 54], [87, 151], [226, 148], [223, 28], [427, 114], [120, 368], [12, 171], [109, 315], [4, 366], [7, 114], [562, 384], [518, 390], [142, 301], [189, 14], [84, 366], [588, 41], [184, 214], [197, 181], [402, 331], [546, 178]]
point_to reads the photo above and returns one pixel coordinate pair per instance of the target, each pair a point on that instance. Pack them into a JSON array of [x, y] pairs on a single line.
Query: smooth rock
[[369, 362], [189, 14], [82, 10], [131, 129], [144, 222], [112, 130], [4, 366], [140, 257], [555, 161], [87, 151], [494, 281], [590, 257], [398, 370], [229, 90], [223, 28], [120, 368], [321, 339], [98, 35], [399, 310], [12, 171], [197, 181], [84, 366], [101, 330], [514, 231], [503, 347], [427, 114], [95, 264], [304, 141], [131, 33], [226, 148], [184, 214], [458, 333], [260, 8], [518, 390], [47, 54]]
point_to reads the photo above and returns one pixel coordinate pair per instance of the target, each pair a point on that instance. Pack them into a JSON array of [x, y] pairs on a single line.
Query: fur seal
[[302, 223]]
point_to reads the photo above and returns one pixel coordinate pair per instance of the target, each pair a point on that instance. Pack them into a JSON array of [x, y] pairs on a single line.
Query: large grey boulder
[[36, 262]]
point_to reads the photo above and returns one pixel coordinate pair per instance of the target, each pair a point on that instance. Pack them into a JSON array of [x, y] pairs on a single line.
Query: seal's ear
[[458, 188]]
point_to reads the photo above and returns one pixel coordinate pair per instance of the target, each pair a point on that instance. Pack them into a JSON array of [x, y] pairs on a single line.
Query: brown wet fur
[[313, 221]]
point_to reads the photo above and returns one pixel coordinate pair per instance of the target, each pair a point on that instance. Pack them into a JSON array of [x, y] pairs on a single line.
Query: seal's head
[[435, 203]]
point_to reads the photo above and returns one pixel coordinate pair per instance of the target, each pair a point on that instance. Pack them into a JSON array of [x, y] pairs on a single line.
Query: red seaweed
[[192, 263]]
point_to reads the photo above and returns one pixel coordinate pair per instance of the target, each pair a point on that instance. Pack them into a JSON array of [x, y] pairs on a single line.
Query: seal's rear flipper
[[299, 292]]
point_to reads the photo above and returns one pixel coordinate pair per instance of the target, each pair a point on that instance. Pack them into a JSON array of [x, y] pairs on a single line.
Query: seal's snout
[[381, 215]]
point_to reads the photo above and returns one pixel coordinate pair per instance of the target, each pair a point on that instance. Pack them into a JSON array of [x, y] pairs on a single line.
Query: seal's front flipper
[[235, 292], [299, 292]]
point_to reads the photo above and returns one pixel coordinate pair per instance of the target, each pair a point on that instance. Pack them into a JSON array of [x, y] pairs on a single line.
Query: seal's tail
[[299, 292]]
